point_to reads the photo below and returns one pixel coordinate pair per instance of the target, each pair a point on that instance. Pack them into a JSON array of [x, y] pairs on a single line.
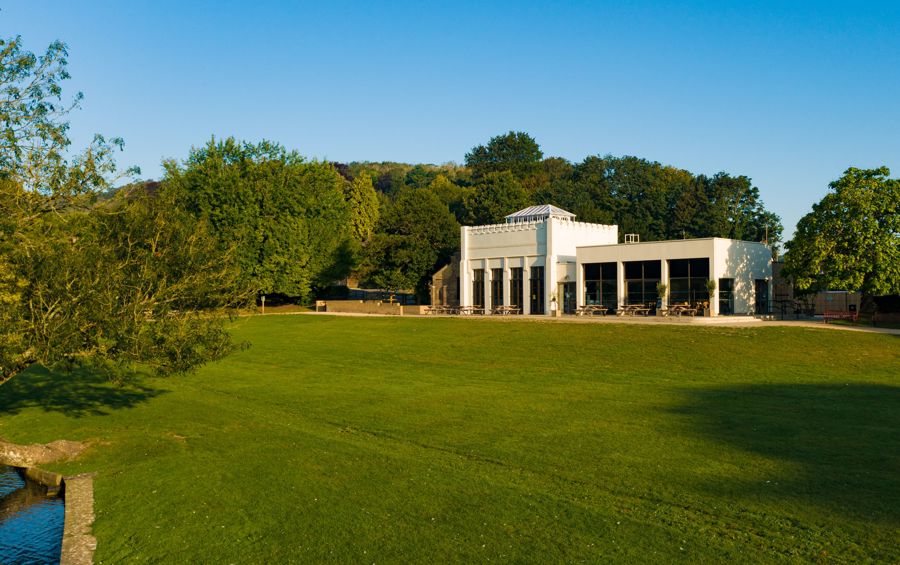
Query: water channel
[[31, 523]]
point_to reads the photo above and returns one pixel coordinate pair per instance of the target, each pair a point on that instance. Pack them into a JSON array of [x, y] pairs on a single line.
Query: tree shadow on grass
[[841, 443], [77, 393]]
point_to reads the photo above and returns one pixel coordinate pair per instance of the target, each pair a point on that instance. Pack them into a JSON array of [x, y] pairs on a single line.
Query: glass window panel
[[537, 290], [634, 270], [678, 268], [700, 268], [592, 292], [496, 287], [478, 289], [634, 291], [592, 271], [515, 287]]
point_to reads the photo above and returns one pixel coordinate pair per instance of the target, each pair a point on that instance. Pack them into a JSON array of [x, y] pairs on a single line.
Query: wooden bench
[[839, 315]]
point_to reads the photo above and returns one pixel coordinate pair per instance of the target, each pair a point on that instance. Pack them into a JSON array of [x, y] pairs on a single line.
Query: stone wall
[[371, 307]]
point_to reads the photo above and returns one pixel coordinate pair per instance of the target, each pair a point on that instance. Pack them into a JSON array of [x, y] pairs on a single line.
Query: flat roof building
[[541, 261]]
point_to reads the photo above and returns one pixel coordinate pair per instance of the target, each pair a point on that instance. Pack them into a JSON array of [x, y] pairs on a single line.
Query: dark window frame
[[478, 288]]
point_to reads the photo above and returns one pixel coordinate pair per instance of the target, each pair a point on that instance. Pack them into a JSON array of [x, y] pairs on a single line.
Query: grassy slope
[[398, 440]]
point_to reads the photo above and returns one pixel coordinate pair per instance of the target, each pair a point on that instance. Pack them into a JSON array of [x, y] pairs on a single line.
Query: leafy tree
[[498, 195], [516, 152], [33, 131], [391, 181], [551, 170], [687, 210], [286, 217], [420, 176], [735, 210], [452, 195], [107, 284], [851, 239], [364, 207], [415, 235]]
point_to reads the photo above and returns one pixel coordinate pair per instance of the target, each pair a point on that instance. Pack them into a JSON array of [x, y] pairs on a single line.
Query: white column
[[487, 286], [620, 283], [506, 277], [579, 284], [465, 273], [550, 284], [664, 278], [526, 286]]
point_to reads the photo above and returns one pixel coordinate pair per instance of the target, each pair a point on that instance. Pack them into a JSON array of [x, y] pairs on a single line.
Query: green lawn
[[361, 440]]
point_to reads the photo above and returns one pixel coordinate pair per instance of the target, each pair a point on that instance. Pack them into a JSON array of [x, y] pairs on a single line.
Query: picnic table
[[506, 310], [440, 309], [590, 310], [633, 310], [468, 310], [682, 309]]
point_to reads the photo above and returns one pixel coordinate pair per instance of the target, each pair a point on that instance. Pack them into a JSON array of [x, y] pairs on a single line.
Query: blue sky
[[787, 93]]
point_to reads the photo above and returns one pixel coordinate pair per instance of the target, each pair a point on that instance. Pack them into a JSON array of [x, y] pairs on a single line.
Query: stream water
[[31, 523]]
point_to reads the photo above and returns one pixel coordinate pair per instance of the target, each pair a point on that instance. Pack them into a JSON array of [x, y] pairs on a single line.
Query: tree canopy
[[285, 217], [516, 152], [851, 239], [110, 283], [416, 234], [496, 196]]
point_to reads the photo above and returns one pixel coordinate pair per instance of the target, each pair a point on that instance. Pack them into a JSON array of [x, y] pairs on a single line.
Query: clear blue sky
[[787, 93]]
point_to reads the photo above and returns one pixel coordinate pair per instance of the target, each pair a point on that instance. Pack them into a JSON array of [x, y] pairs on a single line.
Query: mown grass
[[383, 440]]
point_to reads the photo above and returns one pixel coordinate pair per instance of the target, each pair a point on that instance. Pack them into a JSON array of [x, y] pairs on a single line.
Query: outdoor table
[[590, 310], [632, 310], [505, 310]]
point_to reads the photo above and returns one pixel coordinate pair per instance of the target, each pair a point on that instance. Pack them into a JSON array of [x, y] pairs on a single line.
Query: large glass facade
[[478, 289], [537, 290], [641, 278], [600, 285], [726, 296], [496, 287], [515, 287], [687, 280]]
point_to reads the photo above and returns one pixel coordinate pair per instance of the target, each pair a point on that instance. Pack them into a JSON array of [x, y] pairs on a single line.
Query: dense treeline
[[510, 173], [295, 226]]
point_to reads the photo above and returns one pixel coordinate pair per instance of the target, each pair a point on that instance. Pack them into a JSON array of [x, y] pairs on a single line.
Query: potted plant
[[711, 289], [661, 289]]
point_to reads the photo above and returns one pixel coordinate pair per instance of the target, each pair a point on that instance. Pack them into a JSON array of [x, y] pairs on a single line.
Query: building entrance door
[[762, 296], [567, 296]]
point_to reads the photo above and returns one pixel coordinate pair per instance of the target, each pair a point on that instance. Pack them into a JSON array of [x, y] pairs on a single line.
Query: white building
[[542, 260]]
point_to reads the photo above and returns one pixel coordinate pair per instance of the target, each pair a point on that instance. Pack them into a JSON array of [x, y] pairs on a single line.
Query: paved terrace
[[724, 321]]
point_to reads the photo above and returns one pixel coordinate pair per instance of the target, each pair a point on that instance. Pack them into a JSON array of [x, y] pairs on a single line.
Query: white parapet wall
[[544, 242], [745, 262]]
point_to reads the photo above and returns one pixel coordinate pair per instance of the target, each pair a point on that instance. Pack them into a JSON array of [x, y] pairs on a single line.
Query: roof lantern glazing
[[539, 213]]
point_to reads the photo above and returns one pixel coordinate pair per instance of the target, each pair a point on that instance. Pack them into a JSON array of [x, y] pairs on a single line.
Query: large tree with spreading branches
[[85, 278]]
